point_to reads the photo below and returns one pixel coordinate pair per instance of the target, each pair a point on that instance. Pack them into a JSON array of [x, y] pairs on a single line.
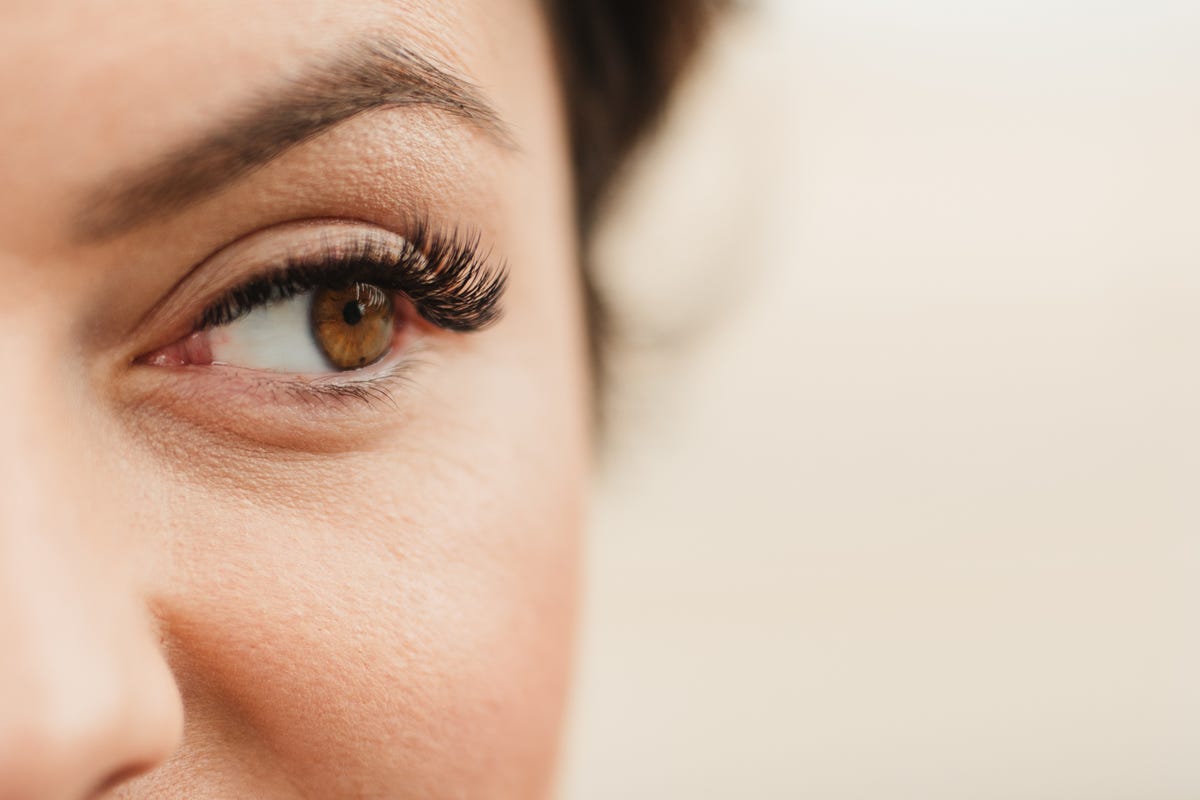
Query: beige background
[[901, 498]]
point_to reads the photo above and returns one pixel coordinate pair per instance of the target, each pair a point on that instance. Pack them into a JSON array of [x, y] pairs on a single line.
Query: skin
[[212, 589]]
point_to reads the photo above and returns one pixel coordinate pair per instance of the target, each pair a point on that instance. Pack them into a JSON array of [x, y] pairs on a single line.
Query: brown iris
[[353, 326]]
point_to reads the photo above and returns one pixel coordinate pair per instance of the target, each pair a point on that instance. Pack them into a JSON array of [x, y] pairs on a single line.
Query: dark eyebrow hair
[[378, 74]]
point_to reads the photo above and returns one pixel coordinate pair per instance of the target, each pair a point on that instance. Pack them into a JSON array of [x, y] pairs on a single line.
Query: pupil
[[352, 312]]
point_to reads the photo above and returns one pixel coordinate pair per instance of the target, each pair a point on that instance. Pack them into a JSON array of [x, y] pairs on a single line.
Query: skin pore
[[222, 581]]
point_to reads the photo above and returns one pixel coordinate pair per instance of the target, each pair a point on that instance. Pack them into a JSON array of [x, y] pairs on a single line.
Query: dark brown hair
[[619, 61]]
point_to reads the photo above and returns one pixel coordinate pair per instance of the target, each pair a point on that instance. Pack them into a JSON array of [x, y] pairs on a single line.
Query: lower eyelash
[[371, 391], [375, 390]]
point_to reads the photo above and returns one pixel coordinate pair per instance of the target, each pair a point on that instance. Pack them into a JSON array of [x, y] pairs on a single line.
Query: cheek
[[392, 620], [397, 622]]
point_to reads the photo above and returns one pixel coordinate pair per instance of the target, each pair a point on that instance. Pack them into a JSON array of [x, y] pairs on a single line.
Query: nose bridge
[[85, 694], [44, 476]]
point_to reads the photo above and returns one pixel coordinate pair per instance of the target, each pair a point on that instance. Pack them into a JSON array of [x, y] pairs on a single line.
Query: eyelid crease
[[445, 276]]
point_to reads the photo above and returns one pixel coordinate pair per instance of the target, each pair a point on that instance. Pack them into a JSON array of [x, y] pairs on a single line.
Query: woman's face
[[283, 511]]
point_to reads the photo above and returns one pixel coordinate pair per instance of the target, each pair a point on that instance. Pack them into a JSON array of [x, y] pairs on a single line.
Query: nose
[[87, 699]]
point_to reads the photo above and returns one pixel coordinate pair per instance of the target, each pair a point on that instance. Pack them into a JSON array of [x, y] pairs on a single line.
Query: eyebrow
[[373, 75]]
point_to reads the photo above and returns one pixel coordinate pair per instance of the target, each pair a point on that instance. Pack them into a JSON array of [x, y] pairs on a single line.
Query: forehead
[[93, 85]]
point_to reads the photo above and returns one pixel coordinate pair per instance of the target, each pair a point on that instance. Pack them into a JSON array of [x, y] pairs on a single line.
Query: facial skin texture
[[210, 587]]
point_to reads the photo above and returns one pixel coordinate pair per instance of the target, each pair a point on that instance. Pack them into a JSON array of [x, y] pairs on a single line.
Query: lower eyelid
[[263, 405], [327, 413]]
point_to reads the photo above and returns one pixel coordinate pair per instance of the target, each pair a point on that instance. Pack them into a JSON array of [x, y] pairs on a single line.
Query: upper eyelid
[[292, 274], [445, 276], [226, 266]]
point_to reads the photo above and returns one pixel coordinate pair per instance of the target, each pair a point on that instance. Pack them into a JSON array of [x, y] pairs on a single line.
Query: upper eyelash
[[445, 276]]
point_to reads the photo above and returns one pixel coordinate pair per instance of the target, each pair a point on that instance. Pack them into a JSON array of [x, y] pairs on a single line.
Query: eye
[[311, 332], [332, 297]]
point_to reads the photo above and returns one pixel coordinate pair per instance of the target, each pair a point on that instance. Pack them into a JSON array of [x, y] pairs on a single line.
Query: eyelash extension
[[445, 276]]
